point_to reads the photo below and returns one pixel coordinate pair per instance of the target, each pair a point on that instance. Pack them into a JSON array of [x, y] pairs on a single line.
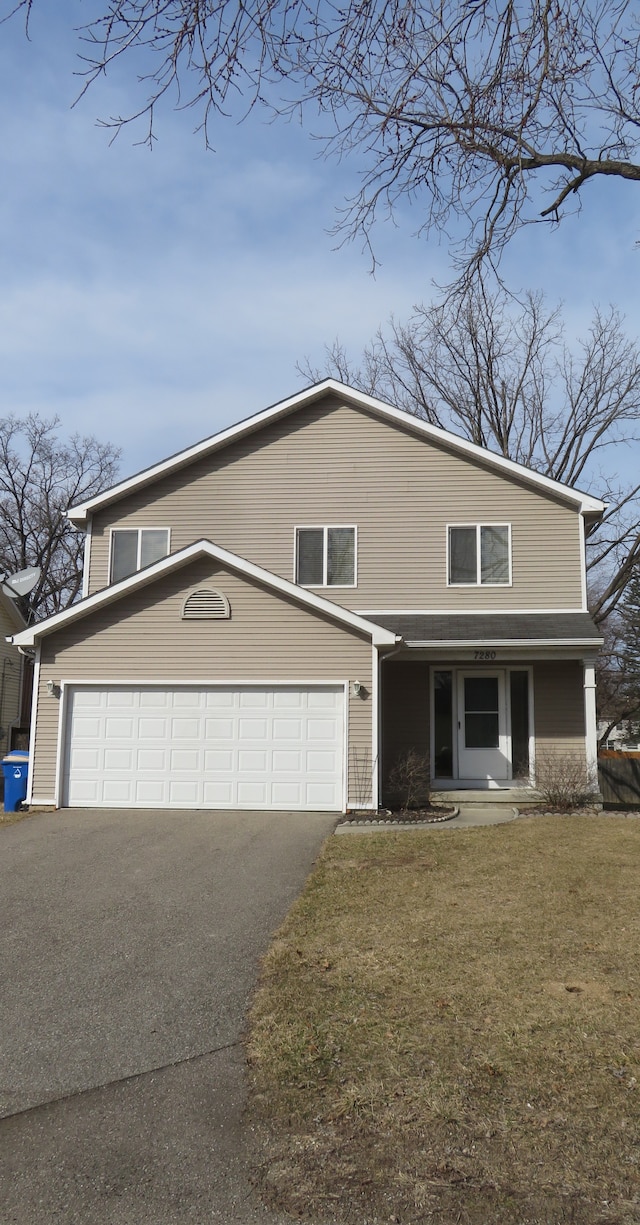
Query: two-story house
[[273, 616]]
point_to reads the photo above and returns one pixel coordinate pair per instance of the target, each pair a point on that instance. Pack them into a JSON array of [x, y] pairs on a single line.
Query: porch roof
[[571, 629]]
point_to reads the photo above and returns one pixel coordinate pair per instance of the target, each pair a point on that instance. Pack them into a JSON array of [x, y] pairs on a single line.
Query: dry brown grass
[[448, 1029]]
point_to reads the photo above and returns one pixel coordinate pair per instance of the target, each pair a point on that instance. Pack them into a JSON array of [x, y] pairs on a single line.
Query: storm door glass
[[519, 695], [481, 712], [443, 724]]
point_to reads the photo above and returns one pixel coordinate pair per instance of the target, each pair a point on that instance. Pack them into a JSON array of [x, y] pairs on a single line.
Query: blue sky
[[154, 298]]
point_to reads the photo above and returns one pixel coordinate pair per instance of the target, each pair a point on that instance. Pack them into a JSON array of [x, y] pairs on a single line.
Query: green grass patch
[[448, 1029]]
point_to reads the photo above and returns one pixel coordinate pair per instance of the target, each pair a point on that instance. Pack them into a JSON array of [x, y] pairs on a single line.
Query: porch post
[[590, 720]]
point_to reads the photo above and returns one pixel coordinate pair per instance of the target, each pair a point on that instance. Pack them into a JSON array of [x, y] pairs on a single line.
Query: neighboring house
[[275, 615], [15, 680], [621, 737]]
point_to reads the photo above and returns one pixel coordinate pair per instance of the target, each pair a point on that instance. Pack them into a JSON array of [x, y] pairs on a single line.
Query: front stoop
[[516, 797]]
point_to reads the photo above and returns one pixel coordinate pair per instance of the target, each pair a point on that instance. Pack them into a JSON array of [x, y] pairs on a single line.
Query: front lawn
[[448, 1029]]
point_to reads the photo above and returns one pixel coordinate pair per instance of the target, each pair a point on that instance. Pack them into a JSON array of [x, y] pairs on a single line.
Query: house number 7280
[[484, 654]]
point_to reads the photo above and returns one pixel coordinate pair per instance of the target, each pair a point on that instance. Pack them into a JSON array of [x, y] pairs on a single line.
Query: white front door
[[483, 747]]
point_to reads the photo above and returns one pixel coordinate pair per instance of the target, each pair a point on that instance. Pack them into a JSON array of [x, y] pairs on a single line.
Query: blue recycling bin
[[15, 767]]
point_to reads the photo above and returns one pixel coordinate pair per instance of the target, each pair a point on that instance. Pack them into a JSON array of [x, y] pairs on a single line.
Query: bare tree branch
[[492, 112], [40, 476]]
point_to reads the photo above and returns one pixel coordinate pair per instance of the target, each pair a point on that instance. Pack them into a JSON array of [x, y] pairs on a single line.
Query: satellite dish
[[21, 583]]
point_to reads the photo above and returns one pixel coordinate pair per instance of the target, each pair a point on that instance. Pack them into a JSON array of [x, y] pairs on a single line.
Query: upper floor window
[[480, 555], [134, 548], [326, 556]]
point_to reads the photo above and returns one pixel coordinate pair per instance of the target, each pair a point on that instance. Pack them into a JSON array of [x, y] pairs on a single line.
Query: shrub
[[563, 781], [409, 783]]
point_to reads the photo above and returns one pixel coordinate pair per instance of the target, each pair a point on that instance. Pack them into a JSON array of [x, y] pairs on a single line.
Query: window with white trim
[[134, 548], [479, 555], [326, 556]]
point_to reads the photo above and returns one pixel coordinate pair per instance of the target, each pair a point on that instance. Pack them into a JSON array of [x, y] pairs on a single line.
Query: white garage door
[[251, 747]]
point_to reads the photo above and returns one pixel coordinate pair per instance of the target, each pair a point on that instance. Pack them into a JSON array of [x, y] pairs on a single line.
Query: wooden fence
[[619, 777]]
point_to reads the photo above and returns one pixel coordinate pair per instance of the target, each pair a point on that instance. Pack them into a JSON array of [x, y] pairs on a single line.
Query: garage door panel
[[151, 758], [149, 793], [183, 760], [218, 794], [120, 698], [219, 729], [153, 698], [287, 795], [152, 729], [118, 790], [255, 755], [84, 794], [185, 729], [218, 761], [184, 793], [321, 729], [253, 698], [86, 759], [87, 728], [119, 759], [288, 730], [288, 699]]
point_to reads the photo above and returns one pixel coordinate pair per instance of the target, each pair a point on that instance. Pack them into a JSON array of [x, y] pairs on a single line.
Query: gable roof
[[588, 506], [203, 548]]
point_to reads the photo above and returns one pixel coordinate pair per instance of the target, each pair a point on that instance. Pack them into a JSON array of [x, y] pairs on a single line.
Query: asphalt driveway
[[129, 947]]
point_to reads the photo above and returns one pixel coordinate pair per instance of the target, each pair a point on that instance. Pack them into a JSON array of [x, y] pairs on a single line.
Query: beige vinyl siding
[[405, 713], [142, 637], [10, 672], [559, 708], [330, 464]]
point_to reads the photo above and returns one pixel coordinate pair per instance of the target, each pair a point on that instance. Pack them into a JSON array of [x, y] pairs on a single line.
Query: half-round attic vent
[[206, 604]]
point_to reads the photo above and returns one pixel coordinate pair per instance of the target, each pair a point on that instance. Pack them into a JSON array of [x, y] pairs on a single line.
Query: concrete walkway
[[469, 816]]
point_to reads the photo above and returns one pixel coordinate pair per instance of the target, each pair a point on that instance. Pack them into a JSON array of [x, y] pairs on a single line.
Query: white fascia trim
[[466, 612], [587, 504], [582, 529], [164, 682], [61, 745], [86, 561], [524, 643], [204, 548], [32, 729]]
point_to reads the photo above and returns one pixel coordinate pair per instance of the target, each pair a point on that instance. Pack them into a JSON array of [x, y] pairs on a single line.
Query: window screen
[[326, 556], [479, 554], [124, 555], [340, 556], [134, 548], [310, 556]]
